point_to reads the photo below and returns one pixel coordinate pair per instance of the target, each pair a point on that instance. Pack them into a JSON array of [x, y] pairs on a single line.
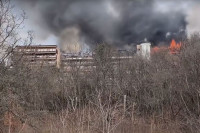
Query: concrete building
[[40, 54], [50, 55]]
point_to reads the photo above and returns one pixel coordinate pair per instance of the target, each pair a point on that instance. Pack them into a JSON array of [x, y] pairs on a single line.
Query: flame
[[174, 47], [155, 49]]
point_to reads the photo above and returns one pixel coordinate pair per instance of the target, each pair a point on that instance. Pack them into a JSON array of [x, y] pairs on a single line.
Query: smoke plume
[[69, 40], [116, 22], [193, 19]]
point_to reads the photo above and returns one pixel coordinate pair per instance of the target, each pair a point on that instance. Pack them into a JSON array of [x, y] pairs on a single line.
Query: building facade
[[39, 54], [50, 55]]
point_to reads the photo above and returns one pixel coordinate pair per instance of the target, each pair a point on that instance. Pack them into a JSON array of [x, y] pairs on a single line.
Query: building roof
[[37, 46]]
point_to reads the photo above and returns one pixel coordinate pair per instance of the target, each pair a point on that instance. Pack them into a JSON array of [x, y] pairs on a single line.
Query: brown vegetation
[[137, 95]]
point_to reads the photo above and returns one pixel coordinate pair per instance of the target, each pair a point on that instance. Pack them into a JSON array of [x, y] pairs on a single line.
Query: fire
[[156, 49], [159, 49], [174, 47]]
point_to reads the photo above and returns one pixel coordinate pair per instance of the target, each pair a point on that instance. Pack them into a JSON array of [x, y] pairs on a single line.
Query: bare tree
[[10, 26]]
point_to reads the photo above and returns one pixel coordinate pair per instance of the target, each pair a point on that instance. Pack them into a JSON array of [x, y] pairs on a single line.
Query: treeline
[[159, 95]]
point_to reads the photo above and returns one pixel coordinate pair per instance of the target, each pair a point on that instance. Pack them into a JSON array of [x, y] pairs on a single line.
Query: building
[[74, 61], [50, 55], [144, 50], [40, 54]]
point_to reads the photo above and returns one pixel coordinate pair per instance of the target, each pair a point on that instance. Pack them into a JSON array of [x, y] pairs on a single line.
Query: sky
[[116, 22], [30, 25]]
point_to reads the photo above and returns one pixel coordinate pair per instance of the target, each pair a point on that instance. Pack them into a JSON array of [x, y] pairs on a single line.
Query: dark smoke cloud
[[116, 22]]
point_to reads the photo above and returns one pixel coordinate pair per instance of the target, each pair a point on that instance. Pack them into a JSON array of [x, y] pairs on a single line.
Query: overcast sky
[[29, 25]]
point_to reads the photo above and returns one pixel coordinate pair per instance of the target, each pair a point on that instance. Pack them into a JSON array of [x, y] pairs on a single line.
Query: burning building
[[51, 55]]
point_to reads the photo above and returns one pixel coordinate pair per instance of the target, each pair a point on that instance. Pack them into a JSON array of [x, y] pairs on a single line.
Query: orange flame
[[155, 49], [174, 47], [159, 49]]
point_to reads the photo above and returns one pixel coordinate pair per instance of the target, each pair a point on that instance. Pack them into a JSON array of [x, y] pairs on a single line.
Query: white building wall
[[144, 50]]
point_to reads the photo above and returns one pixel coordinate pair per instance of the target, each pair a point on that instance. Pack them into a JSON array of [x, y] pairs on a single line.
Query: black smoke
[[116, 22]]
